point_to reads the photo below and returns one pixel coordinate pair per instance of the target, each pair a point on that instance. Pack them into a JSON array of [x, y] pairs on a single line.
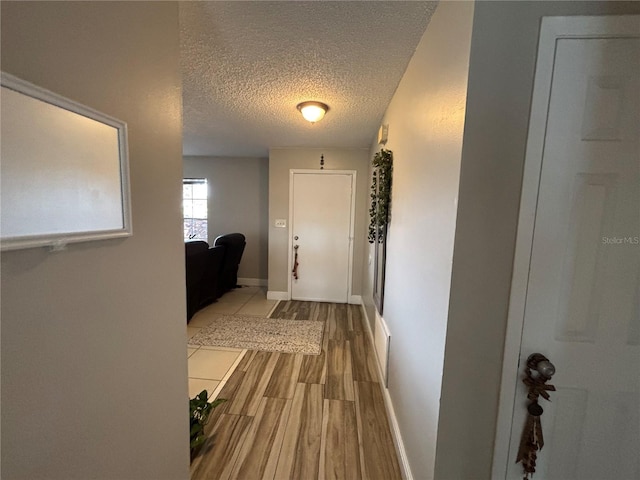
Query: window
[[194, 207]]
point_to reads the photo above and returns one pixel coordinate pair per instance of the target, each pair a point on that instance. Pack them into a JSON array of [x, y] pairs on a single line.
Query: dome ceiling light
[[313, 111]]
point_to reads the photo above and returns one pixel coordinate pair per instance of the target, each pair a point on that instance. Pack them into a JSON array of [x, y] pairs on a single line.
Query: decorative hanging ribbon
[[532, 440], [295, 263]]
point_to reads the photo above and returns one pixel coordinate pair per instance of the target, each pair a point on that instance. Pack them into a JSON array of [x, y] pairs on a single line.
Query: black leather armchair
[[210, 290], [196, 254], [234, 244], [211, 271]]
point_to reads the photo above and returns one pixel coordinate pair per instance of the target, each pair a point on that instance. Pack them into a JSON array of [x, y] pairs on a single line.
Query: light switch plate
[[280, 223]]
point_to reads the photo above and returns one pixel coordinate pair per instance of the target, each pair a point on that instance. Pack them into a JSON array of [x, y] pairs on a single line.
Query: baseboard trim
[[272, 295], [382, 344], [393, 421], [252, 282], [355, 300], [397, 437]]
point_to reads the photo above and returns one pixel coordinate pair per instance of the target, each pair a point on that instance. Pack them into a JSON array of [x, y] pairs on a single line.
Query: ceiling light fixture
[[312, 111]]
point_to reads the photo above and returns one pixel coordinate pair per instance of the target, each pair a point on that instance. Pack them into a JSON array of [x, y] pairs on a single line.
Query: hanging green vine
[[380, 194]]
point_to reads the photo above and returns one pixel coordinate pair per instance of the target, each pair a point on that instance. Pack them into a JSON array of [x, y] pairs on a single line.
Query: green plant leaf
[[195, 430], [199, 413], [196, 442], [379, 210]]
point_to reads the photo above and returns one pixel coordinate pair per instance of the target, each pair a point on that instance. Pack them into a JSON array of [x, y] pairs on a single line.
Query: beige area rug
[[256, 333]]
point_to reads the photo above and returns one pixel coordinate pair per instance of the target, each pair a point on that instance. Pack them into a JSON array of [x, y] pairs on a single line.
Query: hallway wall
[[94, 370], [426, 120], [281, 160]]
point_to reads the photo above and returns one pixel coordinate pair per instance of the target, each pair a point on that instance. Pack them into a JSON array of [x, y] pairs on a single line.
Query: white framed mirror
[[64, 170]]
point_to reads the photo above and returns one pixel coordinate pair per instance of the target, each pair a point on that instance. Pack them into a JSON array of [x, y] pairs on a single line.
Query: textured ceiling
[[246, 65]]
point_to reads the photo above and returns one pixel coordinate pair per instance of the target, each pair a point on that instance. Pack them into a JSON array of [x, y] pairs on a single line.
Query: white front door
[[575, 293], [322, 229]]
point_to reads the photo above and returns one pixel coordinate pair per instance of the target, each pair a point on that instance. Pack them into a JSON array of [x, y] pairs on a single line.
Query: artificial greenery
[[380, 194], [199, 410]]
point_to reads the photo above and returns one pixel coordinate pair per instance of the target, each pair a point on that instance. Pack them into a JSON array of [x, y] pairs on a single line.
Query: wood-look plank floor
[[303, 417]]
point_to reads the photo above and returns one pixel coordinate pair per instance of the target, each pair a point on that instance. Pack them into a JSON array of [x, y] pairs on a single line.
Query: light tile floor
[[210, 367]]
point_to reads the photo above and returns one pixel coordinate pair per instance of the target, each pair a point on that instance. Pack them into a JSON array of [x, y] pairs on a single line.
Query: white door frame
[[552, 29], [352, 216]]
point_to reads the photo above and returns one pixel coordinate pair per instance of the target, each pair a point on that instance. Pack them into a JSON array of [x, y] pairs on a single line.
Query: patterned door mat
[[256, 333]]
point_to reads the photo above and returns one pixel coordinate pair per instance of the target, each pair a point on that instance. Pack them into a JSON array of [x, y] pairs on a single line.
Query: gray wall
[[426, 120], [94, 371], [503, 54], [281, 160], [238, 202]]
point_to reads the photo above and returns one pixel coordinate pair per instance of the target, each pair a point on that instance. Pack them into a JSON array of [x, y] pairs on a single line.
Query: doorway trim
[[352, 216], [552, 29]]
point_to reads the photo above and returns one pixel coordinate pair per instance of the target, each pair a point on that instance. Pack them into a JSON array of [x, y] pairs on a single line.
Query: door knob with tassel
[[538, 371], [295, 262]]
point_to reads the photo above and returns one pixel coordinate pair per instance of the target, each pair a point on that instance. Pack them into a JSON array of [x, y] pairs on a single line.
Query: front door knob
[[541, 364]]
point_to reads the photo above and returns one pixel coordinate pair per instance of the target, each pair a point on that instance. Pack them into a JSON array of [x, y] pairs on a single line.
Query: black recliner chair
[[234, 244], [203, 267], [213, 266], [196, 254]]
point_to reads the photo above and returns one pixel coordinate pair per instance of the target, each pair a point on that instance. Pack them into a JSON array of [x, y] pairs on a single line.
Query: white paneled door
[[575, 294], [322, 205]]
